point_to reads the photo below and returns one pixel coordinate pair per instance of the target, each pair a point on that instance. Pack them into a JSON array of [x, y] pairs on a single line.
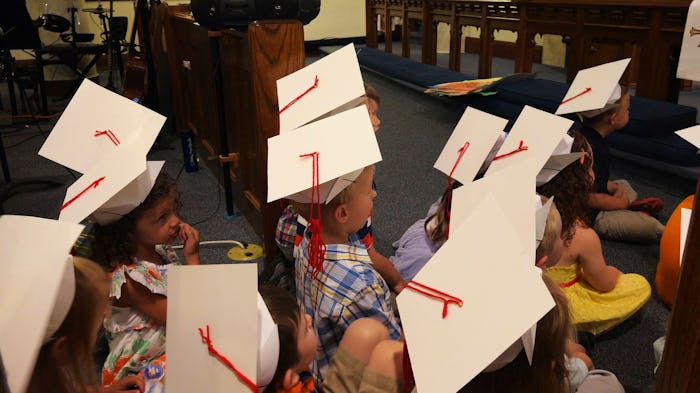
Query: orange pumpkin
[[668, 268]]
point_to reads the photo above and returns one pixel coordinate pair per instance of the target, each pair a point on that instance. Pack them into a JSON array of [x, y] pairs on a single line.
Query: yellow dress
[[594, 311]]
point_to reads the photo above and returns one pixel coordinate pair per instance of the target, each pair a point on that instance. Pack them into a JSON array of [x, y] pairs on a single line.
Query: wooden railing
[[648, 31]]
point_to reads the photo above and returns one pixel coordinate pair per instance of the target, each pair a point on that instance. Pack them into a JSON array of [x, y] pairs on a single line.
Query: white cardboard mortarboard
[[345, 144], [461, 345], [481, 130], [593, 87], [690, 55], [539, 131], [35, 289], [512, 187], [561, 157], [339, 86], [686, 214], [691, 134], [111, 188], [72, 142], [541, 214], [268, 345], [225, 298]]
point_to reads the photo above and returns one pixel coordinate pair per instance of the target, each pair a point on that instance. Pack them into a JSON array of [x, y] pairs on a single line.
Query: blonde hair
[[371, 93], [344, 196], [552, 230]]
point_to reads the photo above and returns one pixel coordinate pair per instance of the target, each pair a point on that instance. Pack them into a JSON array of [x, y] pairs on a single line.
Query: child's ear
[[341, 213], [541, 263], [289, 379], [59, 347]]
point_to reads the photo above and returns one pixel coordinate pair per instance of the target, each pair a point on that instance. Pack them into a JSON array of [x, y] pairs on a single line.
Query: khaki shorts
[[347, 374]]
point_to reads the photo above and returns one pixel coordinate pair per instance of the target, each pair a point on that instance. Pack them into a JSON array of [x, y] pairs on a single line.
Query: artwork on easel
[[690, 49]]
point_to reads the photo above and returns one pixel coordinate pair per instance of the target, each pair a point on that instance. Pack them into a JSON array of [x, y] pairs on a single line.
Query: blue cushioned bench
[[649, 133]]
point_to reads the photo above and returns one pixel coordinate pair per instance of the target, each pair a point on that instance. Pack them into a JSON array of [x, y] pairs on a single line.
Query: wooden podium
[[251, 62]]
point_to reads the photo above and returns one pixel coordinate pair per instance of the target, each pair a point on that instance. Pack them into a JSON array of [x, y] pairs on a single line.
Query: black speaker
[[237, 13]]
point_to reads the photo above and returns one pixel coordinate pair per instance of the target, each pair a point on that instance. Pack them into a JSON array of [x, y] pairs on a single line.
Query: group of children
[[341, 330]]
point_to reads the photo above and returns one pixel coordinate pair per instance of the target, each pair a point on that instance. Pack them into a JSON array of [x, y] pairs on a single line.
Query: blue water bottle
[[189, 153]]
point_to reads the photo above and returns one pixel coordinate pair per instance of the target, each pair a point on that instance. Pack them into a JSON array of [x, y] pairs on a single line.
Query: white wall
[[337, 19]]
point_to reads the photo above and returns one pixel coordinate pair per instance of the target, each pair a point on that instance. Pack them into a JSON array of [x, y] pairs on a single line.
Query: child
[[611, 201], [346, 287], [288, 232], [135, 252], [600, 296], [65, 362], [365, 361]]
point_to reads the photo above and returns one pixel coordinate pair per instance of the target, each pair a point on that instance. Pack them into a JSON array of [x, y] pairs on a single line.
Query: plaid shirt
[[347, 289]]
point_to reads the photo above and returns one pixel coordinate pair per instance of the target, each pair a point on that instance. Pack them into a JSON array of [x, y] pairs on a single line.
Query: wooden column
[[680, 367]]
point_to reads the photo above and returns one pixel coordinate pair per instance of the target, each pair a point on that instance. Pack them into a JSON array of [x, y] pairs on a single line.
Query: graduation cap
[[561, 157], [469, 145], [345, 143], [502, 295], [36, 289], [535, 134], [691, 134], [594, 90], [330, 84], [220, 335], [105, 137]]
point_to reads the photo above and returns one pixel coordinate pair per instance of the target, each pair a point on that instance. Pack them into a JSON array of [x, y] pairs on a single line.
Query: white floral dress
[[136, 344]]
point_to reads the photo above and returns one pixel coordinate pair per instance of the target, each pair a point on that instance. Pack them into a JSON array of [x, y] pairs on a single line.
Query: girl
[[422, 239], [135, 252], [600, 296], [65, 364]]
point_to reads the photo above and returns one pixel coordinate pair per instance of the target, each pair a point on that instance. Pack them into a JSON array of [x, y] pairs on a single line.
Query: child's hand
[[190, 244], [130, 384]]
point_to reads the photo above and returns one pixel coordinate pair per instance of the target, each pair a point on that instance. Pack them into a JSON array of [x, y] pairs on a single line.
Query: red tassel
[[109, 134], [210, 346], [518, 150], [586, 90], [446, 298], [315, 85], [448, 203], [317, 248]]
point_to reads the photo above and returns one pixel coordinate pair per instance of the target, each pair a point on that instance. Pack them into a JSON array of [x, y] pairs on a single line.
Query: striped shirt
[[348, 288]]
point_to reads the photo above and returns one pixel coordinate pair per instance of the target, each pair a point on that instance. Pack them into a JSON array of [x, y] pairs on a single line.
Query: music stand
[[18, 32]]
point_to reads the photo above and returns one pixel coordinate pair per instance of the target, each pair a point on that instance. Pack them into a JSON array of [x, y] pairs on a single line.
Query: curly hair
[[571, 188], [114, 243], [436, 224]]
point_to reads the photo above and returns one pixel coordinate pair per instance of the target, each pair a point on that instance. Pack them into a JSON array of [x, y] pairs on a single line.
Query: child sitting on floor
[[345, 287], [135, 251], [600, 296], [365, 360]]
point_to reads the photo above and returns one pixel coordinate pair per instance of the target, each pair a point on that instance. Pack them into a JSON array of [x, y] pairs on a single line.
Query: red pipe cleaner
[[448, 204], [446, 298], [81, 193], [109, 134], [210, 346], [586, 90], [317, 248], [315, 85], [518, 150]]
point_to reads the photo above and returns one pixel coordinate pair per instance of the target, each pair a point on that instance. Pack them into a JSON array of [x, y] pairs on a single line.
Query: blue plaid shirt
[[347, 289]]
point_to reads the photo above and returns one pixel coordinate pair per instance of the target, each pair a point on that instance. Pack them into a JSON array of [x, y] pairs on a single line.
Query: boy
[[365, 361], [346, 287]]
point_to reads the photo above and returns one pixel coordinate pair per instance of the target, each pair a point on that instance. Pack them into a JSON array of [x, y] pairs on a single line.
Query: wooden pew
[[251, 62], [679, 371]]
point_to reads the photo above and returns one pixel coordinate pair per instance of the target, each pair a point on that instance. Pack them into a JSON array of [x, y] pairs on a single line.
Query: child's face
[[159, 224], [306, 343], [622, 115], [373, 108], [362, 200]]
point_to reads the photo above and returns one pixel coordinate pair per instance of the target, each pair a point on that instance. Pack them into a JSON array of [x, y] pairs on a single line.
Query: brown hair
[[438, 232], [343, 196], [286, 313], [371, 93], [571, 188], [552, 230], [548, 373], [74, 371], [114, 243]]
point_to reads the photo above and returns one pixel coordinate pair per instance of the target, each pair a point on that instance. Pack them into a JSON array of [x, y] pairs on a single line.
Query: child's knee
[[362, 336], [387, 358]]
